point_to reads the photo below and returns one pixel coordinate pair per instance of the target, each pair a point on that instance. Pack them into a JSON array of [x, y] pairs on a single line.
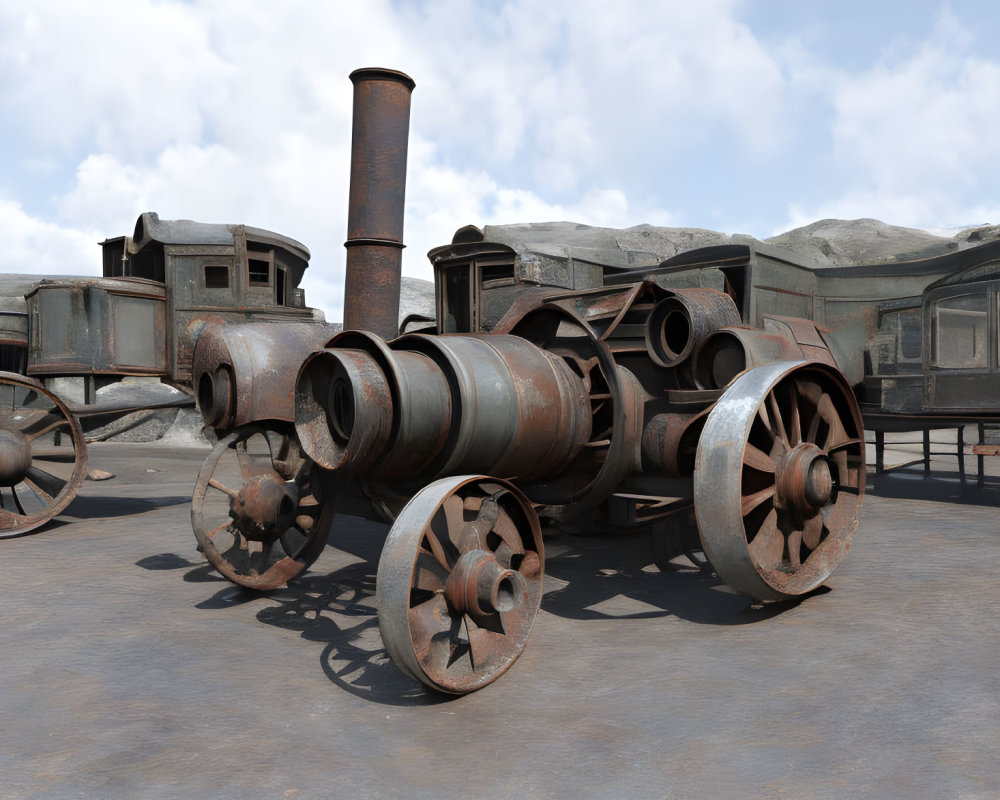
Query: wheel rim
[[261, 510], [460, 582], [38, 478], [780, 478]]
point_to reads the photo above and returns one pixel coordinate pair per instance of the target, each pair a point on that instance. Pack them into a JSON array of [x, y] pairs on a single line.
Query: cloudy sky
[[746, 116]]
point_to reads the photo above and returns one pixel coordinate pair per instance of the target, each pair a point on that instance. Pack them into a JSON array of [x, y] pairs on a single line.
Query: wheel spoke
[[813, 532], [795, 419], [454, 512], [475, 533], [243, 458], [262, 558], [751, 501], [765, 419], [49, 422], [224, 489], [795, 549], [840, 459], [433, 546], [17, 500], [757, 459], [429, 626], [293, 540], [510, 543], [221, 527], [44, 483], [768, 546], [428, 574], [779, 423], [484, 640]]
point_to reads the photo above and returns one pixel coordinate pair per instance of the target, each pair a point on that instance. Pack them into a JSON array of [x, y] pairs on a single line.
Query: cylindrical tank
[[427, 406]]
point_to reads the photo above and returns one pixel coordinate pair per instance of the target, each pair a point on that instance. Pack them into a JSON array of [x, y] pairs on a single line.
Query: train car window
[[260, 259], [910, 335], [960, 325], [216, 277]]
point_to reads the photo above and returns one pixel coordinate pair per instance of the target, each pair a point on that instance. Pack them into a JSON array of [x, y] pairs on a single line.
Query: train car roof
[[150, 228], [959, 260]]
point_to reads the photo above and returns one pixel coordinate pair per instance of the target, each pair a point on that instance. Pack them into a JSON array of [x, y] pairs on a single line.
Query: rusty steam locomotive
[[540, 395]]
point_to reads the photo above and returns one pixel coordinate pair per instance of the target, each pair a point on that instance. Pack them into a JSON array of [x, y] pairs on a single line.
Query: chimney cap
[[378, 73]]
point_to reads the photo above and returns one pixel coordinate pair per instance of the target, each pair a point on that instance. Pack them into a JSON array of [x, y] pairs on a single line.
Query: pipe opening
[[342, 412], [208, 412], [719, 360], [676, 333], [506, 599]]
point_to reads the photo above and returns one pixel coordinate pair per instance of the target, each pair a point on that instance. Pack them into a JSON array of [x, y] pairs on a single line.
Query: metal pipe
[[375, 209]]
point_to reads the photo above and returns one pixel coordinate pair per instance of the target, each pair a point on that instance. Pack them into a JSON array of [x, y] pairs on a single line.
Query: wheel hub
[[15, 457], [480, 585], [804, 481], [264, 508]]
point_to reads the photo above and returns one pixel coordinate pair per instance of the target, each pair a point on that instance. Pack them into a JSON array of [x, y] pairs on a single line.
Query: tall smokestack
[[378, 190]]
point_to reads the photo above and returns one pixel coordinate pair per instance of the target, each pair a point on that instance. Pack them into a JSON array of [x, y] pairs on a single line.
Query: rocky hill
[[837, 242], [829, 242]]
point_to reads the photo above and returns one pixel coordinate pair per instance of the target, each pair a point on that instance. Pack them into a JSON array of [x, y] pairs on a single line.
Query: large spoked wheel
[[261, 509], [40, 472], [460, 582], [779, 478]]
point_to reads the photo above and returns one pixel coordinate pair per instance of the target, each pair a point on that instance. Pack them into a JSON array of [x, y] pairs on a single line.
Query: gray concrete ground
[[131, 670]]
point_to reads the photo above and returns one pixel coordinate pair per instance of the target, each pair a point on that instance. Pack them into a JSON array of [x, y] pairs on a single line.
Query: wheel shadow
[[587, 578], [338, 611], [108, 507], [590, 578]]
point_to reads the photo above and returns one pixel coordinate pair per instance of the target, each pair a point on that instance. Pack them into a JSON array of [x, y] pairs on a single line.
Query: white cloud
[[34, 246], [913, 136], [128, 76]]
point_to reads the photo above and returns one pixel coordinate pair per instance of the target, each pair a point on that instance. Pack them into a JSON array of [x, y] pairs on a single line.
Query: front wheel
[[460, 582], [779, 478]]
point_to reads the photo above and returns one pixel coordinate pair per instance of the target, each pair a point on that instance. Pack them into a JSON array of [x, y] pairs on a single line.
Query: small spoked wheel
[[779, 479], [261, 510], [460, 582], [40, 473]]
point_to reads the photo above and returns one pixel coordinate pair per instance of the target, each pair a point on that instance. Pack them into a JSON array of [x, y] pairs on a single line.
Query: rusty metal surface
[[375, 207], [39, 472], [459, 582], [779, 479], [259, 509], [424, 406], [681, 321], [246, 373], [723, 355]]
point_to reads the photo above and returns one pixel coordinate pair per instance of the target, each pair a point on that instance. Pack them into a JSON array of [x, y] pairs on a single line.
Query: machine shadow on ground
[[107, 507], [587, 578], [909, 483]]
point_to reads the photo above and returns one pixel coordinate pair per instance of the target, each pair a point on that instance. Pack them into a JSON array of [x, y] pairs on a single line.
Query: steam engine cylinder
[[427, 406]]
